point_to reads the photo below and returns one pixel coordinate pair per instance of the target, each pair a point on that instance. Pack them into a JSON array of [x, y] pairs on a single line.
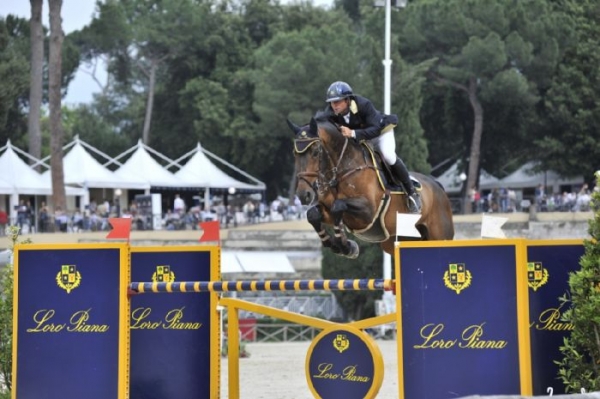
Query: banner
[[174, 336], [69, 303], [463, 319]]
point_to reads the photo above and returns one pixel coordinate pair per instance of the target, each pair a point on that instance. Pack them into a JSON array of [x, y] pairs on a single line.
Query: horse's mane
[[323, 122]]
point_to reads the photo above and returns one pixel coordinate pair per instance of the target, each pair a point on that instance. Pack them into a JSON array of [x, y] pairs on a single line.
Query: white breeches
[[386, 145]]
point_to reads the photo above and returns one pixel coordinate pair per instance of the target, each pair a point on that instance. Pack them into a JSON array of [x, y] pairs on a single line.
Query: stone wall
[[304, 247]]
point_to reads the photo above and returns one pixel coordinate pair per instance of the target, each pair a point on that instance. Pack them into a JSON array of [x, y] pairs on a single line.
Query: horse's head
[[306, 152]]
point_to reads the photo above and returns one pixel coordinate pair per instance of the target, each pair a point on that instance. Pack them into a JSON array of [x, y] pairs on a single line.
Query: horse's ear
[[314, 128], [295, 128]]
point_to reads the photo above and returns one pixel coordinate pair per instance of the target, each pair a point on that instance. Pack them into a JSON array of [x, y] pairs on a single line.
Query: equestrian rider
[[360, 120]]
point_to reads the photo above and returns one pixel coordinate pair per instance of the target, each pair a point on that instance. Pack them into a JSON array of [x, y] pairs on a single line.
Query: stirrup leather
[[414, 203]]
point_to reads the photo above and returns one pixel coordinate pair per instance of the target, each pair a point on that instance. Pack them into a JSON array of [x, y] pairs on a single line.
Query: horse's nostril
[[308, 198]]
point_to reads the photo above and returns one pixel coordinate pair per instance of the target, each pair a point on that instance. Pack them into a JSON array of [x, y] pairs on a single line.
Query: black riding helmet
[[338, 91]]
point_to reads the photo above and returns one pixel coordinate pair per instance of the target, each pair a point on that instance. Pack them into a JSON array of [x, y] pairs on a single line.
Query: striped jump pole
[[267, 285]]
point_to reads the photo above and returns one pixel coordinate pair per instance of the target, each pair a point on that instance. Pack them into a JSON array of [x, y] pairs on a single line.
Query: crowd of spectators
[[179, 217], [503, 200], [250, 211]]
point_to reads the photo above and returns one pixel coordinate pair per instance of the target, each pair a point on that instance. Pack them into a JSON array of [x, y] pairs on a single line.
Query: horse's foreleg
[[314, 216], [349, 248]]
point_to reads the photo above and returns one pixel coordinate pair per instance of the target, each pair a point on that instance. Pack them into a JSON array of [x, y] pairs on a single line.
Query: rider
[[360, 120]]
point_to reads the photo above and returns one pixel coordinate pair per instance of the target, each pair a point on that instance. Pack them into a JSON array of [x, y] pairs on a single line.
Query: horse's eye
[[315, 152]]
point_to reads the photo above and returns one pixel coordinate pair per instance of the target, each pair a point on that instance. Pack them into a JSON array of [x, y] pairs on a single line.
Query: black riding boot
[[413, 198]]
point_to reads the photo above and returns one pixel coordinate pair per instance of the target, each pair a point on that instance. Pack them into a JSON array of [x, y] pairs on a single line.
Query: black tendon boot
[[413, 198]]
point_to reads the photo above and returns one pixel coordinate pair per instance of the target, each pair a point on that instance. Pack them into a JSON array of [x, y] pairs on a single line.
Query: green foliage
[[579, 367], [511, 49], [228, 74], [14, 75], [571, 111], [357, 305], [6, 312]]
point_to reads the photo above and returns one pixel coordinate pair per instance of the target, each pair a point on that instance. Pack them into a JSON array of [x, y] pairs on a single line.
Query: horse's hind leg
[[314, 216], [349, 248]]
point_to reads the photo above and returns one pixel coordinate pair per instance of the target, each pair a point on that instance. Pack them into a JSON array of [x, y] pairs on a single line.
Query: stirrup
[[414, 203]]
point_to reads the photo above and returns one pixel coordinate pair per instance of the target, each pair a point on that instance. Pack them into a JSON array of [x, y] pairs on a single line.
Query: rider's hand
[[347, 132]]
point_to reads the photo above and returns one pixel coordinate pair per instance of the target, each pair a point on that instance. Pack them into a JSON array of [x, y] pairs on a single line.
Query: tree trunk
[[475, 144], [36, 77], [54, 92], [149, 103]]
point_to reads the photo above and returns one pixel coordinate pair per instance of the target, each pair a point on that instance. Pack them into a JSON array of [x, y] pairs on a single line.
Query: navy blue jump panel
[[549, 263], [174, 337], [70, 306], [463, 327]]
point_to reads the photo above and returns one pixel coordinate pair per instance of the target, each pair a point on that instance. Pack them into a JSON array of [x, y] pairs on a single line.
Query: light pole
[[387, 95], [387, 61]]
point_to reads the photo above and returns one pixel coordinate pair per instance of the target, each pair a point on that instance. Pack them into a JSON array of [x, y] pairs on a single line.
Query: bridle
[[329, 179]]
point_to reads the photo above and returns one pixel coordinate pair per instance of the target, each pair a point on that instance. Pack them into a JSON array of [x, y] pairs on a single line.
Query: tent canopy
[[453, 184], [524, 177], [146, 168], [20, 178], [81, 169], [200, 172]]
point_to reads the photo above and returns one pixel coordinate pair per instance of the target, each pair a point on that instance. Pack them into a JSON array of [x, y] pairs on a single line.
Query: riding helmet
[[338, 91]]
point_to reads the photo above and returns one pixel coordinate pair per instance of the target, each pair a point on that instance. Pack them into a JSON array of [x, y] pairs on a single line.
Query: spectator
[[22, 215], [77, 221], [43, 218], [248, 210], [3, 221], [178, 205], [504, 201], [60, 219]]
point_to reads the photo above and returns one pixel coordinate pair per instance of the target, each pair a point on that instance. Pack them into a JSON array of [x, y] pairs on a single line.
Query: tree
[[286, 88], [36, 79], [569, 128], [360, 304], [488, 50], [14, 76], [54, 91]]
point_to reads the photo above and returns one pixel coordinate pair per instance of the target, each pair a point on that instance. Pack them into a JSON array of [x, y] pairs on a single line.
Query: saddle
[[376, 230], [386, 178]]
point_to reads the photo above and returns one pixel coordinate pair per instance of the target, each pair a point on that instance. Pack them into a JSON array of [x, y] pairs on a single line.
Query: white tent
[[143, 165], [200, 172], [22, 178], [524, 177], [81, 169], [453, 184], [18, 178]]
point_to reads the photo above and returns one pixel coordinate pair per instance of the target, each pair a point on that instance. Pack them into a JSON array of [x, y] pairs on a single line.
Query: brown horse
[[346, 185]]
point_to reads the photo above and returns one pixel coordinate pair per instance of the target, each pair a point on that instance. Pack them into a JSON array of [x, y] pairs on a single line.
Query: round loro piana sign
[[344, 362]]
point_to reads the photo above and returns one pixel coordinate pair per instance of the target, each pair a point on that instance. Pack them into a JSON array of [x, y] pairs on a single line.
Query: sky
[[75, 15]]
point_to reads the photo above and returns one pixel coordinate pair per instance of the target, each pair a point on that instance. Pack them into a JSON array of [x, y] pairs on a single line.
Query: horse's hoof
[[354, 250], [335, 249]]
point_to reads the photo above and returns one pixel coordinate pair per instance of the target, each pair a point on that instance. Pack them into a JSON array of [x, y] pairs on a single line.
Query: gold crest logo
[[341, 343], [68, 278], [457, 277], [163, 274], [536, 275]]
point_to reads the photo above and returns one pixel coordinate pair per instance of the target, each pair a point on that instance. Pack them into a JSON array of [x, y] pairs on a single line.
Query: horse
[[346, 185]]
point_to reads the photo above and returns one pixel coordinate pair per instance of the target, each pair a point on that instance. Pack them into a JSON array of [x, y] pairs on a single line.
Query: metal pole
[[264, 285], [387, 62], [387, 105]]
